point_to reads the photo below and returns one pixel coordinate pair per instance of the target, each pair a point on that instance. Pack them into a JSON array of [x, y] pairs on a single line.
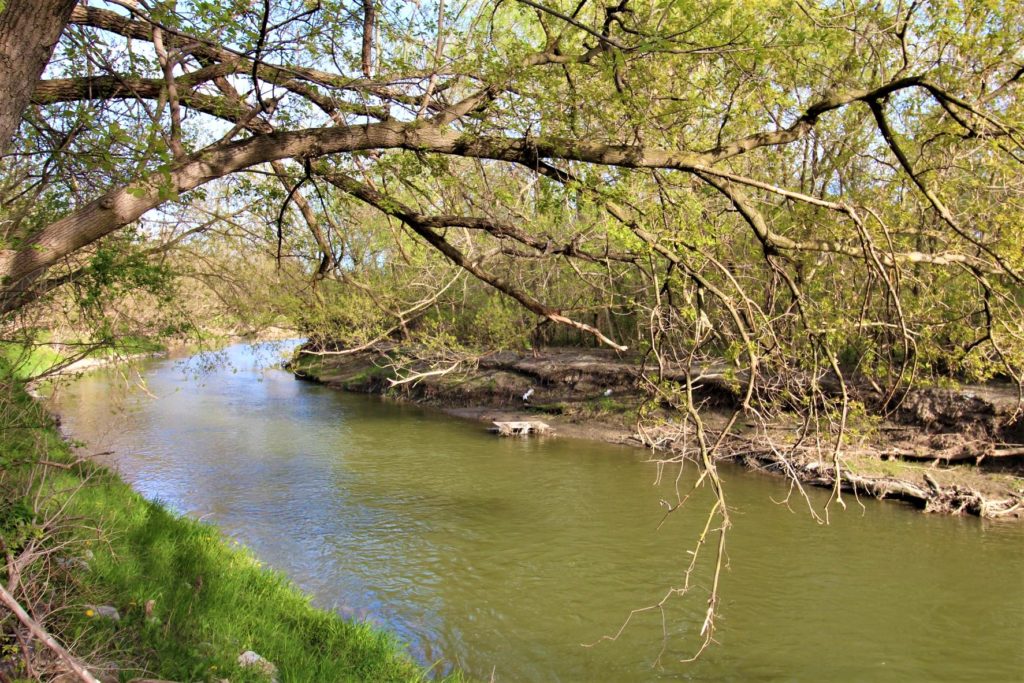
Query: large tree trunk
[[29, 30]]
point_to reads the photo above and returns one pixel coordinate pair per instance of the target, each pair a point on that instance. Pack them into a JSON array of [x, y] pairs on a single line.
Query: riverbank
[[40, 355], [136, 592], [949, 451]]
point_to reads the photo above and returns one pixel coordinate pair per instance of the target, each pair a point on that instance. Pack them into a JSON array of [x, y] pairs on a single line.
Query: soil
[[957, 451]]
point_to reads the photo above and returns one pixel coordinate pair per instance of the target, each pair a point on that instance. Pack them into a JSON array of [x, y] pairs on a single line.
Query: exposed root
[[932, 497]]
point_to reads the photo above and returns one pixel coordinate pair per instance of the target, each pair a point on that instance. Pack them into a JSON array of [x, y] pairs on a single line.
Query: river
[[503, 556]]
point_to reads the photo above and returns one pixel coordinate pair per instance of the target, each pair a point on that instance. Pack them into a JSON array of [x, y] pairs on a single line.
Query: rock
[[71, 563], [106, 611], [251, 659]]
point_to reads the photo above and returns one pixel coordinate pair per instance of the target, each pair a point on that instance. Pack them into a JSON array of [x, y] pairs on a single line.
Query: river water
[[503, 556]]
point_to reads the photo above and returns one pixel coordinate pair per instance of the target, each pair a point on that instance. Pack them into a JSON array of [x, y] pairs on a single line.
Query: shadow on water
[[505, 555]]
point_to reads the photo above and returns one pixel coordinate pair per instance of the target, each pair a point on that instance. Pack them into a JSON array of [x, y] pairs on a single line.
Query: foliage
[[899, 206], [815, 204]]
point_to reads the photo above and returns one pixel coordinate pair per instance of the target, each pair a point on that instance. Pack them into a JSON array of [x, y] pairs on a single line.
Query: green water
[[502, 556]]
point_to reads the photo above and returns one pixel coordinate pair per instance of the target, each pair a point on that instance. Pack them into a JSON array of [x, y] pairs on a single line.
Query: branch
[[369, 16], [937, 204], [411, 218], [39, 632], [208, 51], [570, 20], [122, 205], [807, 121]]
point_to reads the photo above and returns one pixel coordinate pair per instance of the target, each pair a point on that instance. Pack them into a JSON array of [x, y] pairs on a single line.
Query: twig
[[39, 632]]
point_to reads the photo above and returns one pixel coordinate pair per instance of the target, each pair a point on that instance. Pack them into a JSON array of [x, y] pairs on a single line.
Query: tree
[[812, 193], [28, 34]]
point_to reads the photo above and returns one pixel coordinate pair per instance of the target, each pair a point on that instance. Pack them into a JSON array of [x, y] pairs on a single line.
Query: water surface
[[502, 555]]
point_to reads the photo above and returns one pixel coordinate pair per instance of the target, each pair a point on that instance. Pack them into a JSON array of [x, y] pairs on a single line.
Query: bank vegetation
[[814, 205]]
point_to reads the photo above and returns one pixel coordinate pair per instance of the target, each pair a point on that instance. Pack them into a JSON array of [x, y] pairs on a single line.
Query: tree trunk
[[29, 30]]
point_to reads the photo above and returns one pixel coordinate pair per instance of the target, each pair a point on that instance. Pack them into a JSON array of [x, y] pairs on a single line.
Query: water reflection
[[505, 555]]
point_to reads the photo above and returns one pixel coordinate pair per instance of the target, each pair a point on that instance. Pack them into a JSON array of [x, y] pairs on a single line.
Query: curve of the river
[[504, 555]]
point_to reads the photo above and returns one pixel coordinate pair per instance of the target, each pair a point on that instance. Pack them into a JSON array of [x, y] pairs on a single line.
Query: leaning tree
[[811, 192]]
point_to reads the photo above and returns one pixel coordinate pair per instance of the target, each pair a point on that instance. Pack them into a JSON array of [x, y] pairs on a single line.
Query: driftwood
[[519, 428], [932, 497], [974, 452]]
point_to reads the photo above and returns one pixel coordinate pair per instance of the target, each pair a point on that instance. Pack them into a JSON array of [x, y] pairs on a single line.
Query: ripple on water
[[507, 554]]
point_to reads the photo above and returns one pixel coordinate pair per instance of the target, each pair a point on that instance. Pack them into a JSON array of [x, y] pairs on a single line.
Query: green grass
[[372, 374], [212, 599], [306, 363], [609, 405], [33, 358], [551, 408], [28, 361], [212, 602]]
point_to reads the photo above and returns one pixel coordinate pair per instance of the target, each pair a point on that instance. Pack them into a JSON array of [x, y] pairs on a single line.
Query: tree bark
[[29, 30], [368, 25], [19, 268]]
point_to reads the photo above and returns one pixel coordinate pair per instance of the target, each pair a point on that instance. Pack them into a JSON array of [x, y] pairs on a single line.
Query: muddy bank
[[954, 451]]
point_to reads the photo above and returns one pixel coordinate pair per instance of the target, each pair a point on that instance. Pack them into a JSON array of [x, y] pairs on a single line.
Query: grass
[[212, 600], [25, 361], [607, 405], [993, 484], [551, 408], [350, 372], [369, 375]]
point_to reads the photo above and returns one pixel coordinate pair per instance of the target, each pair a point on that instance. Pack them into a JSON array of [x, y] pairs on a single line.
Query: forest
[[772, 232]]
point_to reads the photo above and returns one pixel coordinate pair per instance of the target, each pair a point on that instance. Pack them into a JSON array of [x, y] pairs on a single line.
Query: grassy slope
[[25, 362], [212, 600]]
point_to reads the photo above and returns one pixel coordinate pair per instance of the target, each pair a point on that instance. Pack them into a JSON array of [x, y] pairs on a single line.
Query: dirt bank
[[955, 451]]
